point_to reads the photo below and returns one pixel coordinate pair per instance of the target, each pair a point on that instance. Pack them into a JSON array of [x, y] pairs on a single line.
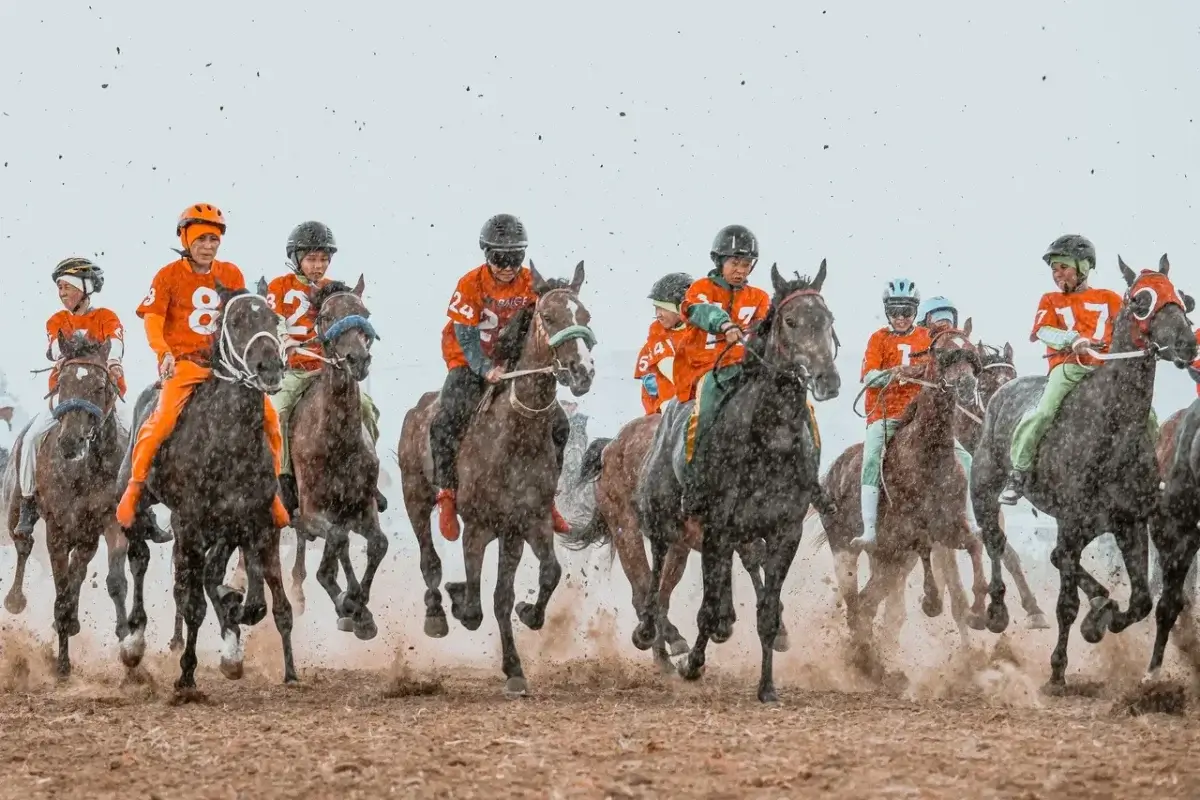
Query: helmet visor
[[506, 259]]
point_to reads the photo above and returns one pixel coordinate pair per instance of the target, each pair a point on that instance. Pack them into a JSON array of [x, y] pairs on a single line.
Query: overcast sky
[[946, 142]]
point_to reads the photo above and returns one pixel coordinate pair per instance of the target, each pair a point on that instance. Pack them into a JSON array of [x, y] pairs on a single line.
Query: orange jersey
[[888, 350], [290, 297], [98, 325], [659, 347], [1089, 313], [745, 305], [189, 304], [480, 301]]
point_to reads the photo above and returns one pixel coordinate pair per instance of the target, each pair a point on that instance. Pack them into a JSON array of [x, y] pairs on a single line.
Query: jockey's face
[[1066, 278], [937, 325], [70, 296], [204, 250], [736, 271], [505, 264], [668, 319], [901, 319], [314, 265]]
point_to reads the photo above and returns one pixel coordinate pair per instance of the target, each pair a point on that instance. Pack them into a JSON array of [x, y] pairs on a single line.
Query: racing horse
[[75, 485], [507, 467], [1095, 469], [216, 474], [754, 472]]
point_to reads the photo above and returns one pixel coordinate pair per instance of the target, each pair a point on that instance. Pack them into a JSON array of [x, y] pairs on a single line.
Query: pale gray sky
[[943, 141]]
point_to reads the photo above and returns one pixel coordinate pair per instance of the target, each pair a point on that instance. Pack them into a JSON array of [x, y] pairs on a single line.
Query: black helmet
[[82, 268], [1075, 247], [671, 288], [309, 236], [734, 241], [503, 232]]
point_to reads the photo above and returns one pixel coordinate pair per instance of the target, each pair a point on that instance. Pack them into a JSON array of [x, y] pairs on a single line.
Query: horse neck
[[337, 396], [1126, 385], [535, 391], [241, 404], [933, 414]]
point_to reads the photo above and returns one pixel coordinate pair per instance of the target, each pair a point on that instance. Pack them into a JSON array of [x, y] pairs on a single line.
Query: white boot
[[972, 523], [870, 513]]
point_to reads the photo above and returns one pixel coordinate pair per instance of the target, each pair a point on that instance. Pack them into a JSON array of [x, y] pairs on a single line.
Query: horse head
[[86, 392], [953, 362], [248, 349], [997, 369], [562, 322], [1154, 316], [800, 339], [343, 327]]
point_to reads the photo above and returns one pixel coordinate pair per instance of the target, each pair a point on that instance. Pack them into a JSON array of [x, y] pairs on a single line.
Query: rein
[[801, 378], [553, 341]]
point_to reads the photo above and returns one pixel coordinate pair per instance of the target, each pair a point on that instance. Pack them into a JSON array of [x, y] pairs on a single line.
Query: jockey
[[1069, 322], [310, 248], [77, 280], [656, 361], [937, 314], [484, 300], [181, 315]]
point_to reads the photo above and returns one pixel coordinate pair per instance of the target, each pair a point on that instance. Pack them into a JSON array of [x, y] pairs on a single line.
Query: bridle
[[237, 370], [326, 336], [800, 374], [552, 341]]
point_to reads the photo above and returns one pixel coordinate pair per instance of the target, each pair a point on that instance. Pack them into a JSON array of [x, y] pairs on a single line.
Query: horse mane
[[78, 345], [323, 293], [512, 337]]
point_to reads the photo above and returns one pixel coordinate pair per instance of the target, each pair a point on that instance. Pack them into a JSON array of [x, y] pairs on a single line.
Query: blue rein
[[346, 323], [77, 404]]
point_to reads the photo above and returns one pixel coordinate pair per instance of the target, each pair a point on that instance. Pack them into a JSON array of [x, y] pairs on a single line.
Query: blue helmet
[[901, 295], [940, 308]]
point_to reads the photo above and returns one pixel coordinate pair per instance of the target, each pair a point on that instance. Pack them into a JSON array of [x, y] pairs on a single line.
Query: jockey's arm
[[1056, 338], [709, 317], [155, 324], [877, 378], [472, 347], [116, 350]]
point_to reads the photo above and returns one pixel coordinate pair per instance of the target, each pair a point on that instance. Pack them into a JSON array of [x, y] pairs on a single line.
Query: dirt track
[[588, 731]]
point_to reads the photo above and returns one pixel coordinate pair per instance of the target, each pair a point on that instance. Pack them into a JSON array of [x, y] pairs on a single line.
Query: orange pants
[[176, 391]]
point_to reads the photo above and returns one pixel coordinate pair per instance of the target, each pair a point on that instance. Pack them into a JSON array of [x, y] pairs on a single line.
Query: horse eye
[[790, 322]]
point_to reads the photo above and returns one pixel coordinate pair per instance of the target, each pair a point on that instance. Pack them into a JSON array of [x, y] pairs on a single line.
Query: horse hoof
[[366, 630], [472, 621], [689, 672], [339, 605], [644, 635], [516, 687], [133, 647], [14, 603], [722, 632], [782, 642], [931, 606], [1037, 622], [768, 694], [345, 624], [175, 645], [997, 618], [527, 613], [1053, 688], [1098, 620], [435, 625], [73, 627], [976, 622], [231, 669], [677, 646]]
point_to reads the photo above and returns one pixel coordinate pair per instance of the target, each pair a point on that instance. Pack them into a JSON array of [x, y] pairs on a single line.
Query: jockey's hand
[[1081, 344], [116, 370], [494, 375], [166, 367], [733, 334], [650, 382]]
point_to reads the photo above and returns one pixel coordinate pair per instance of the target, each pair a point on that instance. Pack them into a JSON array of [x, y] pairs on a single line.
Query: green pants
[[878, 433], [709, 395], [295, 384]]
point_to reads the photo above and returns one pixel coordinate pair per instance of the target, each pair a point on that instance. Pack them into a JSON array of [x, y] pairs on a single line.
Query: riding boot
[[29, 517], [289, 493], [148, 525], [1014, 490], [870, 515], [448, 515]]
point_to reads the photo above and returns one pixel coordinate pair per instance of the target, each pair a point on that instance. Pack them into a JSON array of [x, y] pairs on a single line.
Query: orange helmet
[[200, 212]]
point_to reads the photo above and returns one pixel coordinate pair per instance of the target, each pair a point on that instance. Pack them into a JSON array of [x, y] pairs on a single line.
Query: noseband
[[234, 363]]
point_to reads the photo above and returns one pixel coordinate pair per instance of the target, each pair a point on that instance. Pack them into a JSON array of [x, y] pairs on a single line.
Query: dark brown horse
[[506, 467], [924, 487], [75, 485], [217, 476]]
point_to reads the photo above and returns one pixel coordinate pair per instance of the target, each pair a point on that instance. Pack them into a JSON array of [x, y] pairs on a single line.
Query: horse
[[754, 472], [1095, 469], [75, 485], [216, 474], [921, 479], [506, 467]]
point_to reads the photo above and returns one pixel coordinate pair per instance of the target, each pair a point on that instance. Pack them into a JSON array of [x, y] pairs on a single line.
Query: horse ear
[[967, 328], [1008, 352], [360, 286], [576, 279], [1189, 304], [1164, 266], [63, 347], [819, 281], [262, 286], [1126, 272], [777, 281], [539, 283]]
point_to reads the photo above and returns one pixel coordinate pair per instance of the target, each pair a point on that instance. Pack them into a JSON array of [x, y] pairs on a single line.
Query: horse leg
[[60, 558], [931, 603], [1065, 558], [541, 542], [431, 571], [1175, 566], [81, 558], [781, 552], [945, 563], [465, 604], [281, 609], [1132, 540], [845, 574], [254, 606], [716, 562], [327, 578], [627, 543], [299, 571], [133, 646], [189, 598], [512, 545], [228, 607], [979, 584], [115, 583], [15, 602], [645, 634], [377, 547], [753, 556], [987, 510], [1037, 617]]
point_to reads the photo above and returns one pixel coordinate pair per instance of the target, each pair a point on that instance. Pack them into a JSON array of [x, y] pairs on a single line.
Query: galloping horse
[[755, 471], [507, 470], [922, 484], [216, 474], [75, 485], [1095, 469], [335, 464]]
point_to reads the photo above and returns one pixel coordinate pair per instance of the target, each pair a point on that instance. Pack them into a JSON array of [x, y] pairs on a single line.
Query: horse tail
[[595, 532], [593, 460]]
